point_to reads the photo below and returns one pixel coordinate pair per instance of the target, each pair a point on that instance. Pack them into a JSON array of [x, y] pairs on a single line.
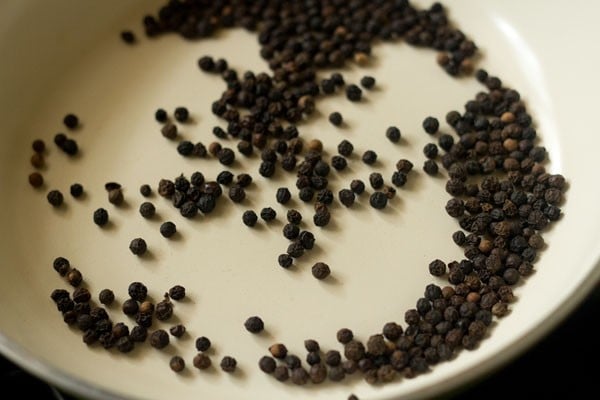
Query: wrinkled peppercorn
[[336, 118], [353, 92], [168, 229], [320, 270], [55, 198], [254, 324], [138, 246], [159, 339]]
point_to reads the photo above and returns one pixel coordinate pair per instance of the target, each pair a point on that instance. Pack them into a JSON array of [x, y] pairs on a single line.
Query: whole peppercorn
[[168, 229], [283, 195], [357, 186], [376, 180], [138, 334], [399, 179], [313, 357], [147, 209], [338, 162], [185, 148], [37, 160], [74, 277], [430, 150], [115, 196], [311, 345], [226, 156], [228, 364], [344, 335], [369, 157], [71, 121], [160, 115], [404, 166], [346, 197], [202, 361], [378, 200], [278, 350], [36, 179], [368, 82], [55, 198], [295, 249], [268, 214], [322, 217], [169, 131], [299, 376], [376, 345], [315, 145], [177, 364], [249, 218], [254, 324], [307, 239], [336, 119], [130, 307], [164, 310], [353, 92], [224, 178], [61, 265], [430, 167], [76, 190], [81, 295], [446, 141], [177, 292], [177, 330], [333, 358], [392, 331], [437, 268], [281, 373], [320, 270], [431, 125], [159, 339], [345, 148], [206, 63], [138, 246], [291, 231], [38, 146], [318, 373], [137, 291], [267, 364], [202, 343], [106, 297], [181, 114], [285, 260], [237, 194], [393, 134]]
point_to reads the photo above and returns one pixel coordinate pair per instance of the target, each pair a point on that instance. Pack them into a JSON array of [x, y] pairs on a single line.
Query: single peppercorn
[[353, 92], [37, 160], [177, 330], [357, 186], [106, 297], [177, 364], [393, 134], [431, 125], [368, 82], [202, 361], [267, 364], [291, 231], [164, 310], [76, 190], [369, 157], [160, 115], [399, 179], [254, 324], [202, 343], [177, 292], [321, 217], [376, 180], [378, 200], [169, 131], [38, 145], [36, 179], [185, 148], [115, 196], [249, 218], [278, 350], [344, 335], [128, 37], [55, 198], [71, 121], [181, 114], [268, 214], [430, 167], [346, 197], [159, 339], [437, 267], [74, 277], [345, 148], [283, 195], [168, 229], [336, 118], [228, 364], [320, 270], [430, 150], [147, 209], [285, 260], [137, 291], [138, 246], [226, 156], [61, 265]]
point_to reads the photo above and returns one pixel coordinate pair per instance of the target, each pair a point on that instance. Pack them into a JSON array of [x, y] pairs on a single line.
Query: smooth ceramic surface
[[66, 56]]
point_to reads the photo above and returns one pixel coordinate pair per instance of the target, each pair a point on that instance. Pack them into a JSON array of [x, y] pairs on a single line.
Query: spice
[[431, 125], [202, 343], [81, 295], [393, 134], [76, 190], [37, 160], [55, 198], [115, 196], [38, 145], [315, 145], [249, 218], [346, 197], [228, 364], [267, 364], [137, 291], [128, 37], [177, 330], [169, 131], [106, 297], [268, 214], [285, 260], [291, 231], [164, 310], [181, 114], [161, 115], [368, 82], [138, 246], [177, 364], [281, 373], [159, 339], [378, 200], [254, 324], [376, 180], [168, 229], [147, 209], [130, 307], [357, 186], [36, 179], [71, 121], [74, 277], [283, 195], [202, 361], [430, 167], [177, 292], [61, 265], [336, 119], [430, 150], [321, 217], [345, 148], [344, 335], [404, 166], [369, 157], [353, 92], [320, 270]]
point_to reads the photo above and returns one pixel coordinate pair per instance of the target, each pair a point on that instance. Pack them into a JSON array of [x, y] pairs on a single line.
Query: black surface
[[561, 366]]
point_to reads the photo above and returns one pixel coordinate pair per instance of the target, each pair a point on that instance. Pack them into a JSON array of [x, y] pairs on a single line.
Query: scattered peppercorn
[[267, 364], [378, 200], [147, 209], [393, 134], [36, 179], [38, 145], [177, 330], [181, 114], [159, 339], [336, 118], [115, 196], [55, 198], [254, 324], [202, 361], [138, 246], [128, 37], [268, 214], [71, 121], [285, 260], [177, 292], [430, 167], [320, 270], [106, 297], [249, 218], [431, 125], [368, 82], [202, 343], [228, 364], [74, 277], [353, 92], [369, 157], [177, 364], [168, 229], [283, 195], [169, 131]]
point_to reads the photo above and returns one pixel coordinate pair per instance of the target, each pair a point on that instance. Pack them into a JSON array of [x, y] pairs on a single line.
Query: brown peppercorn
[[177, 364], [281, 373], [354, 350], [36, 179], [37, 160], [106, 297], [74, 277], [267, 364], [318, 373], [228, 364], [159, 339], [202, 361], [278, 350], [376, 345], [315, 145], [115, 196], [321, 270], [344, 335]]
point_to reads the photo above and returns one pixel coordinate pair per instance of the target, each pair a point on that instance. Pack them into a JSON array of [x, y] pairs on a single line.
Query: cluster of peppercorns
[[67, 145], [78, 309]]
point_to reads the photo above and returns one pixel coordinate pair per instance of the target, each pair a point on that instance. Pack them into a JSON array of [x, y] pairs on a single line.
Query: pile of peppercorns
[[501, 195]]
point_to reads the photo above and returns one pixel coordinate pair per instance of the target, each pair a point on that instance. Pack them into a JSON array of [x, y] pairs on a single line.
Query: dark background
[[559, 366]]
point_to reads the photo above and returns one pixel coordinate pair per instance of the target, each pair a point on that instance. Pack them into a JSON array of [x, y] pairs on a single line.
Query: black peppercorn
[[127, 37], [249, 218], [369, 157], [281, 373], [177, 330], [368, 82], [76, 190], [430, 150], [345, 148], [268, 214], [393, 134], [168, 229], [226, 156], [61, 265], [181, 114], [106, 297], [376, 180], [74, 277], [224, 178], [353, 92], [320, 270], [130, 307], [378, 200], [344, 335], [36, 179], [430, 167], [237, 193], [161, 115], [169, 131], [71, 121], [147, 209], [346, 197], [138, 246], [267, 364], [228, 364], [336, 118], [278, 350], [177, 364], [177, 292], [164, 310], [254, 324], [283, 195], [431, 125], [291, 231], [55, 198], [159, 339], [285, 260]]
